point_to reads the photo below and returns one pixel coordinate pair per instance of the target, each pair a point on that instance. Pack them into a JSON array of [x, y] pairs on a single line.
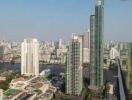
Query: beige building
[[30, 57]]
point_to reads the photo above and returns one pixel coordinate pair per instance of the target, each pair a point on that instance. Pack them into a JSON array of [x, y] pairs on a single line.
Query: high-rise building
[[30, 57], [87, 39], [60, 43], [1, 53], [74, 78], [92, 51], [129, 70], [96, 31], [86, 47]]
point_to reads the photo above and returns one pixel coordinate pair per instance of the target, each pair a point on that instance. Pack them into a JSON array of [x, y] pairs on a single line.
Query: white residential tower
[[29, 57]]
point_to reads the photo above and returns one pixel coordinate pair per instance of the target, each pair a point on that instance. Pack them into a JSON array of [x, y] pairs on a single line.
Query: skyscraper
[[96, 31], [29, 57], [129, 70], [86, 47], [92, 51], [74, 78], [87, 39]]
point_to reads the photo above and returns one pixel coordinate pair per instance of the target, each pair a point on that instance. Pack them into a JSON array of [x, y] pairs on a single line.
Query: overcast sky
[[54, 19]]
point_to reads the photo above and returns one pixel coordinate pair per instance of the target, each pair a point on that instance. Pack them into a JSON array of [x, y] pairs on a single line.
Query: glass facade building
[[96, 33]]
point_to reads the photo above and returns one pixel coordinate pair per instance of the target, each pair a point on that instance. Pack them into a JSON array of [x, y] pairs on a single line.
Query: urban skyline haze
[[51, 19]]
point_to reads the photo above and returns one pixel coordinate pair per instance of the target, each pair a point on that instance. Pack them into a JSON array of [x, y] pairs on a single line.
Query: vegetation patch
[[10, 92]]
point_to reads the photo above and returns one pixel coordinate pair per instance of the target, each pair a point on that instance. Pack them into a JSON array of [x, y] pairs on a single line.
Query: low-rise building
[[19, 83], [30, 88]]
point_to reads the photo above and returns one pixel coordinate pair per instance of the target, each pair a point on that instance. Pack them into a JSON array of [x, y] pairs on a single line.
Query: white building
[[111, 89], [29, 57], [114, 53], [86, 55], [86, 47]]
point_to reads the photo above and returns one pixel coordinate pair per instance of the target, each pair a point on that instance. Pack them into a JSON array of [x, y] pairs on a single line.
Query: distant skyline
[[54, 19]]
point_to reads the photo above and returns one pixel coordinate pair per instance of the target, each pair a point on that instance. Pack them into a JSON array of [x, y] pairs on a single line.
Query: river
[[53, 68]]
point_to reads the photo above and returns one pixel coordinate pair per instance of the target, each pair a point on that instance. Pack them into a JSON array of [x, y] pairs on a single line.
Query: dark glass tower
[[97, 31], [92, 51]]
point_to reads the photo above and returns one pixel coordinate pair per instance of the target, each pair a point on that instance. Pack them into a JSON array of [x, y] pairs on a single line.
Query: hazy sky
[[54, 19]]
